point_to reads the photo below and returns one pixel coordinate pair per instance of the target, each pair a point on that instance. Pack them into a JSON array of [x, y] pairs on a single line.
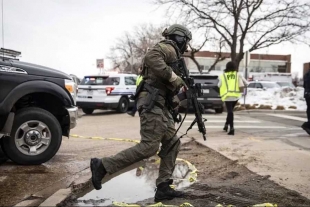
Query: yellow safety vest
[[230, 85], [139, 79]]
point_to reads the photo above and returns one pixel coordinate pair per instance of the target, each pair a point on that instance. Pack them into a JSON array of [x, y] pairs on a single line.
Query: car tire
[[35, 137], [88, 111], [3, 157], [123, 105], [219, 111]]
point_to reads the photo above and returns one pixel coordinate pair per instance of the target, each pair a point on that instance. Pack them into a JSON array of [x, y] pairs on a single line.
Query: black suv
[[211, 98], [37, 108]]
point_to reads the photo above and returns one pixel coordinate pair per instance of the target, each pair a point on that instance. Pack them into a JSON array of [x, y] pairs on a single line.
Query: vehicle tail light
[[108, 90]]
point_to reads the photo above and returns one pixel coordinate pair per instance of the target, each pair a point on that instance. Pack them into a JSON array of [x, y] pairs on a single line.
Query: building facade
[[259, 63]]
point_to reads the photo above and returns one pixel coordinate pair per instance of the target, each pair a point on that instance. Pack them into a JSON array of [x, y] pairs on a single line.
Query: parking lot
[[269, 148]]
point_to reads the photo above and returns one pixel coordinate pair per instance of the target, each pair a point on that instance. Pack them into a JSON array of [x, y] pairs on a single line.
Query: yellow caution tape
[[102, 138], [265, 205], [160, 204], [125, 204], [186, 205]]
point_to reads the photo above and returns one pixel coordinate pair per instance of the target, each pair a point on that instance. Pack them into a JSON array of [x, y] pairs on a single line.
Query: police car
[[110, 91]]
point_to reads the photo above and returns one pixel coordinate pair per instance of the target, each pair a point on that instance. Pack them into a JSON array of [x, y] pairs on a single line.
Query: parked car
[[286, 84], [263, 85], [211, 98], [106, 92], [36, 109]]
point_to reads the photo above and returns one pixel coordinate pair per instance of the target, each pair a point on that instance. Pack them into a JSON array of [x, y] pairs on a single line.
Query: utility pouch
[[150, 100]]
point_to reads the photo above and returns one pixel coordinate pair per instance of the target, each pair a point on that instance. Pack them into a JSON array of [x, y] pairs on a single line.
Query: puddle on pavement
[[133, 184]]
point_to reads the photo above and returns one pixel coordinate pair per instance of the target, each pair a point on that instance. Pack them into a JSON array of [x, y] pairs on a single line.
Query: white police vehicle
[[110, 91]]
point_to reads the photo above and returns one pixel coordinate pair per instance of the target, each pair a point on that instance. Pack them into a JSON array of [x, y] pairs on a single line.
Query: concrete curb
[[57, 197]]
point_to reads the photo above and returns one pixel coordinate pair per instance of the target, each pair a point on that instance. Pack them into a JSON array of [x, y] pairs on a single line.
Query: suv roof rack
[[7, 54]]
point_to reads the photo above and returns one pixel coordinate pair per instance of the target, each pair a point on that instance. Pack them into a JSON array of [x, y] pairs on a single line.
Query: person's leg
[[226, 123], [167, 163], [308, 109], [230, 116], [306, 126], [229, 105], [152, 130]]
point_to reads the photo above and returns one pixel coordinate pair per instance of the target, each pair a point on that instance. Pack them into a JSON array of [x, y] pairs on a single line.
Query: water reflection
[[136, 183]]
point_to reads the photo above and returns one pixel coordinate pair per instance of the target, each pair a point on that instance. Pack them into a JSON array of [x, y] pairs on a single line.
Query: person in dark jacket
[[306, 126]]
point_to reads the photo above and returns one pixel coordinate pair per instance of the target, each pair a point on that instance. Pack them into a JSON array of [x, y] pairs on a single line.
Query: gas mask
[[181, 42]]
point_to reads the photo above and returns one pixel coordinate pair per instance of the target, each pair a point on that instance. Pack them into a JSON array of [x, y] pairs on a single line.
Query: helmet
[[177, 29], [179, 34]]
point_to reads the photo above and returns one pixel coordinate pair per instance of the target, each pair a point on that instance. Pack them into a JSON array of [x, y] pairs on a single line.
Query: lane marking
[[248, 127], [224, 120], [289, 117], [210, 116]]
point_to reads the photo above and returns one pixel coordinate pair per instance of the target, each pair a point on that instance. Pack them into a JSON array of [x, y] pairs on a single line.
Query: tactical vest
[[139, 79], [155, 83], [230, 85]]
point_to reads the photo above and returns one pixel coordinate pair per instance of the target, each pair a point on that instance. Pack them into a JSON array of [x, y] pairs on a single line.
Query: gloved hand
[[178, 83]]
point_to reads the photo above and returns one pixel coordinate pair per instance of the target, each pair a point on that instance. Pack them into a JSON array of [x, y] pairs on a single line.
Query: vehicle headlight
[[72, 88]]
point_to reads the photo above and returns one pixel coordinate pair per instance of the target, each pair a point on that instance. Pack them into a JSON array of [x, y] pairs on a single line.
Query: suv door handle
[[127, 88]]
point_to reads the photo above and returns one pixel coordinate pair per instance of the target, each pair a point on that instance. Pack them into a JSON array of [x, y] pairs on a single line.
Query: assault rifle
[[192, 93]]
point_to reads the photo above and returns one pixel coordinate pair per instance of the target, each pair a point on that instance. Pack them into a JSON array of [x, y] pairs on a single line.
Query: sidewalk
[[282, 158]]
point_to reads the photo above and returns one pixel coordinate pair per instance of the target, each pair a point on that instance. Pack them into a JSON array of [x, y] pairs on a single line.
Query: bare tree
[[130, 48], [255, 24]]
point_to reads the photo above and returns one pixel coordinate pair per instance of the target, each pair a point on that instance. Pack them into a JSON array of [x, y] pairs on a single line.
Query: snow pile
[[283, 98]]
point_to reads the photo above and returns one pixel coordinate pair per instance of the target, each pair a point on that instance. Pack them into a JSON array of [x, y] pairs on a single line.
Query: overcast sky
[[70, 35]]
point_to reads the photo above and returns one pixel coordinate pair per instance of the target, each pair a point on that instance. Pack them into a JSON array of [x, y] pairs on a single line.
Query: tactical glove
[[178, 83]]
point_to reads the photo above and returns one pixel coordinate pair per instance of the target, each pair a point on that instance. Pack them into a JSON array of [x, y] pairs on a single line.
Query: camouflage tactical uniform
[[157, 125]]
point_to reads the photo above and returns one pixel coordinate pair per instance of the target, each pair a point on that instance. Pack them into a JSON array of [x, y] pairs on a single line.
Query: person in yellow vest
[[231, 85], [134, 109]]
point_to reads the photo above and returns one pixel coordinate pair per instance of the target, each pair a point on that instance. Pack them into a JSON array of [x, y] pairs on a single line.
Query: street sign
[[100, 63]]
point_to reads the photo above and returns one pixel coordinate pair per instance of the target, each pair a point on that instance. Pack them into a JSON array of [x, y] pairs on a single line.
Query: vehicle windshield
[[285, 84], [100, 80], [205, 79], [270, 85]]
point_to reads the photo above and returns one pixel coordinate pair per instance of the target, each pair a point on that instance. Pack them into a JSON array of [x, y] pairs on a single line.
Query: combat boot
[[98, 172], [165, 192]]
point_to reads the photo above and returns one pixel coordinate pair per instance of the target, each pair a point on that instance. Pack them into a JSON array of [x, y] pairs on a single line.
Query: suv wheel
[[219, 111], [123, 105], [87, 111], [35, 137]]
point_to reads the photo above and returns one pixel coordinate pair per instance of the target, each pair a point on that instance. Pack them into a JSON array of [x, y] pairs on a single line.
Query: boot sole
[[92, 168], [162, 199]]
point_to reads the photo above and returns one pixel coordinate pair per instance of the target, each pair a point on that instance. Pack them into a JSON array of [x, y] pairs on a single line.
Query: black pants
[[308, 110], [230, 105]]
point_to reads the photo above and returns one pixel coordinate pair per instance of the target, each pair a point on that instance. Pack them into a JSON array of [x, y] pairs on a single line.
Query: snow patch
[[288, 98]]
